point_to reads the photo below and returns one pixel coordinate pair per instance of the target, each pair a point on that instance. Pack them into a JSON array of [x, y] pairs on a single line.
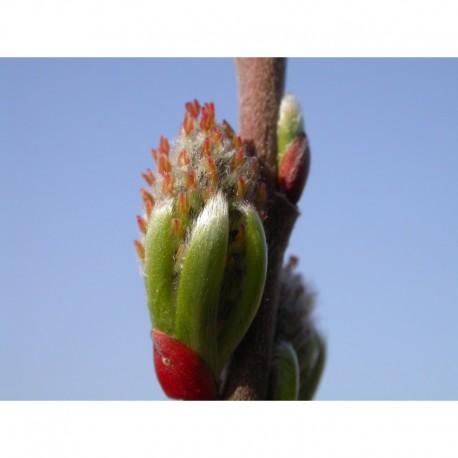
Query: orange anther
[[183, 158], [241, 187], [182, 204], [228, 130], [237, 142], [191, 181], [140, 249], [188, 124], [193, 108], [164, 146], [206, 147], [142, 224], [212, 171], [216, 136], [208, 192], [208, 116], [155, 154], [238, 159], [148, 208], [149, 177], [241, 234], [167, 184], [146, 196], [163, 164], [177, 227]]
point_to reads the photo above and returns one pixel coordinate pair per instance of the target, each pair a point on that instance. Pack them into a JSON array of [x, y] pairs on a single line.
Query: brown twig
[[261, 86]]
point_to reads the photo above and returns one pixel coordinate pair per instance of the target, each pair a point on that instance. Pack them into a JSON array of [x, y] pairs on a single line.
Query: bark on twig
[[261, 86]]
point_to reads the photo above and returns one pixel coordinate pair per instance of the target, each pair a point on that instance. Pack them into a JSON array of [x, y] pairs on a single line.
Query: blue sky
[[377, 237]]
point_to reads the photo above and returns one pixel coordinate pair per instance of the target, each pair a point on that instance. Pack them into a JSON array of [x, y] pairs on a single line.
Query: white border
[[224, 429], [183, 28]]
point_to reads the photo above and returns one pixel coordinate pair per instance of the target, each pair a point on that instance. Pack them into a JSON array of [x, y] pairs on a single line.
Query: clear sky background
[[378, 235]]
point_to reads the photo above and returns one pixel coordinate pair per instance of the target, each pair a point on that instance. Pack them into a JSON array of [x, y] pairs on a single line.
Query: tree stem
[[261, 85]]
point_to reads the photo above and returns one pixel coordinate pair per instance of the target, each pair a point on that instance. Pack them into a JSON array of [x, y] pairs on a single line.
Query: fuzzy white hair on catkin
[[290, 106], [215, 208]]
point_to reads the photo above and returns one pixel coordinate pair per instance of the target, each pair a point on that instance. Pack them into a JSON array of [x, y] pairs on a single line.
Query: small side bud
[[290, 123], [293, 158]]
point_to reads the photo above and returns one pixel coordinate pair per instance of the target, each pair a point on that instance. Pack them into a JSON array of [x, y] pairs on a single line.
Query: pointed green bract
[[159, 252], [311, 375], [243, 313], [285, 376], [200, 281]]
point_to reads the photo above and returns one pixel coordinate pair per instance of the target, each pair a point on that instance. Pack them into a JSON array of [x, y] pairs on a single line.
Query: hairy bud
[[203, 251], [293, 158]]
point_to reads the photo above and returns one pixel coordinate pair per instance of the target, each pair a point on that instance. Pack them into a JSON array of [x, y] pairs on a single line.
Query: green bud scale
[[203, 251]]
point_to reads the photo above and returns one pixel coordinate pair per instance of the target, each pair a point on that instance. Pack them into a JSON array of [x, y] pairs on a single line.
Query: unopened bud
[[203, 252], [293, 156]]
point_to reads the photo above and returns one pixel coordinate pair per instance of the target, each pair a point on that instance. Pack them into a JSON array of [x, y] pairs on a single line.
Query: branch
[[261, 85]]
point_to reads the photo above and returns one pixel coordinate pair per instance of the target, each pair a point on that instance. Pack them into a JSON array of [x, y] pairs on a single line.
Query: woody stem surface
[[261, 85]]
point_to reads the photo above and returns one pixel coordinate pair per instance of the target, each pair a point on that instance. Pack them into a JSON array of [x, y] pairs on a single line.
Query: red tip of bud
[[180, 371], [294, 168]]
